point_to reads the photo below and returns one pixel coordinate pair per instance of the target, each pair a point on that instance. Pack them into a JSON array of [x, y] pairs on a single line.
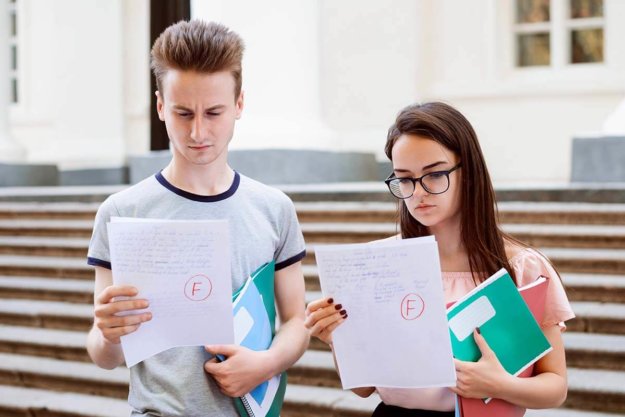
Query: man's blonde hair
[[205, 47]]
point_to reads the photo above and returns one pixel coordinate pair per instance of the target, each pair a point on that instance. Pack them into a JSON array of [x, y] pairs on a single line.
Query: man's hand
[[242, 371], [111, 317]]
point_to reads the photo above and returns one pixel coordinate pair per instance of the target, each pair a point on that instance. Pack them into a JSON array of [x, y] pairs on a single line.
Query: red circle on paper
[[203, 279], [405, 313]]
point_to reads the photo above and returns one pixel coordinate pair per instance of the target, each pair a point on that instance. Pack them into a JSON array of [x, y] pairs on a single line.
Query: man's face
[[199, 111]]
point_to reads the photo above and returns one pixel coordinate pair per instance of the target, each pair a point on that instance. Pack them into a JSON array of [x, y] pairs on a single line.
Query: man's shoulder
[[136, 193], [260, 191]]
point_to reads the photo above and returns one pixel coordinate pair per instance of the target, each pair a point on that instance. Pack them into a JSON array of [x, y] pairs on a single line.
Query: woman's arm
[[487, 378]]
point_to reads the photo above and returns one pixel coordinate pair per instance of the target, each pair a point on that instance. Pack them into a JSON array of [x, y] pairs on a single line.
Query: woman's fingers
[[317, 304], [322, 313], [323, 324]]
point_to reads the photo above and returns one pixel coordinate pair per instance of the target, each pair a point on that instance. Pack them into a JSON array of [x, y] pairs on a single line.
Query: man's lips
[[200, 147]]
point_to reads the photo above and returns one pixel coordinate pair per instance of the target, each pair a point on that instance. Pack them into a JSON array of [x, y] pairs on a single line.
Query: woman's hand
[[322, 317], [484, 378]]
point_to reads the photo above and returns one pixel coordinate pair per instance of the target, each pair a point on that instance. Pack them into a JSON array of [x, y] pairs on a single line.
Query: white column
[[9, 150], [280, 71]]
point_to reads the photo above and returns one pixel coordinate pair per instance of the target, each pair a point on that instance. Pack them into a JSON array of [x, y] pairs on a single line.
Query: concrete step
[[509, 212], [595, 287], [47, 343], [592, 317], [589, 389], [46, 289], [579, 287], [584, 350], [43, 246], [49, 211], [45, 227], [349, 191], [46, 267], [381, 212], [32, 402], [46, 314], [539, 235], [300, 401], [61, 375], [590, 261]]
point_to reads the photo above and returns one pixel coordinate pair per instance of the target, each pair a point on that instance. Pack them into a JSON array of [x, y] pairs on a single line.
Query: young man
[[198, 70]]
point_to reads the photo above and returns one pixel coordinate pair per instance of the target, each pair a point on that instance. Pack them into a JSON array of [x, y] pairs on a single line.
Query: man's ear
[[160, 105], [239, 105]]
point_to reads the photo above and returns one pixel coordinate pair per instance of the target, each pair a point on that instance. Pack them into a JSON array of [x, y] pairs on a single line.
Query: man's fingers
[[116, 291], [129, 320], [317, 304], [111, 309], [114, 333]]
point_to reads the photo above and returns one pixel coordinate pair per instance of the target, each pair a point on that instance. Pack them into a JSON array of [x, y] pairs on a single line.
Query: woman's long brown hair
[[480, 231]]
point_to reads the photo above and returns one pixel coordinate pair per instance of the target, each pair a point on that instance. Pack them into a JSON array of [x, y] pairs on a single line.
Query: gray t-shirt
[[263, 227]]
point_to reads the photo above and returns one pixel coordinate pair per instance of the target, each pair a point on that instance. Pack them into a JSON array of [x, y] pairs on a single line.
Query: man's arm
[[245, 369], [103, 343], [292, 338]]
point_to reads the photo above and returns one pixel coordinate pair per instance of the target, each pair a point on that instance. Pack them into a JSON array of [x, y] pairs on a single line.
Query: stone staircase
[[46, 294]]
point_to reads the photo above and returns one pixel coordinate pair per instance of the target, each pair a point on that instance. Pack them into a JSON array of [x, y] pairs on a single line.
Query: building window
[[540, 25], [585, 26], [14, 55], [533, 32]]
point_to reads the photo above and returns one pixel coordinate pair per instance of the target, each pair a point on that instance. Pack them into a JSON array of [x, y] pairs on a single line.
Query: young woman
[[440, 174]]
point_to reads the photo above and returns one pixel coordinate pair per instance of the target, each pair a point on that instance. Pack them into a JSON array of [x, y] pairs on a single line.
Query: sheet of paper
[[183, 269], [396, 334]]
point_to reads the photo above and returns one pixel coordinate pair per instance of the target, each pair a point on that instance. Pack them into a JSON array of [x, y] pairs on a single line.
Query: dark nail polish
[[478, 330], [343, 312], [338, 306], [345, 316], [330, 300]]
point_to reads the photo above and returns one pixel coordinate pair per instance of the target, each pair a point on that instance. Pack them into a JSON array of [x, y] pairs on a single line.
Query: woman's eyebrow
[[433, 165]]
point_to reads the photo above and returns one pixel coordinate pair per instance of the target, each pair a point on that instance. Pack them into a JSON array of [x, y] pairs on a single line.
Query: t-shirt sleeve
[[291, 247], [99, 253], [557, 307]]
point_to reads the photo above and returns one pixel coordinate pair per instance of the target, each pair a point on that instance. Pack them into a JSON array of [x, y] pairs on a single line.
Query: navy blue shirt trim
[[201, 198], [99, 262], [291, 260]]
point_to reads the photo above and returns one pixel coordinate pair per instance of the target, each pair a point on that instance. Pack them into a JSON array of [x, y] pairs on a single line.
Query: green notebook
[[254, 327], [505, 321]]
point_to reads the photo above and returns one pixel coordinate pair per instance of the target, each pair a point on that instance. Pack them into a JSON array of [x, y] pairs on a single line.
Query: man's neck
[[206, 180]]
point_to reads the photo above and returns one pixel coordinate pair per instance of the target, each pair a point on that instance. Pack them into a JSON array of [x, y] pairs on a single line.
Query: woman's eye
[[436, 175]]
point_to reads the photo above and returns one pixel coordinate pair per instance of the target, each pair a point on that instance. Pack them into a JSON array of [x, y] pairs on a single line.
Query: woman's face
[[415, 156]]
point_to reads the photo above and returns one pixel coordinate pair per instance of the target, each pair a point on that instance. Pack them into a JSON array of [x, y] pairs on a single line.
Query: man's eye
[[184, 114], [212, 113]]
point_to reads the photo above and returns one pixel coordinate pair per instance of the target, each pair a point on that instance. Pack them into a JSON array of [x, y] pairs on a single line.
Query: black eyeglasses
[[433, 182]]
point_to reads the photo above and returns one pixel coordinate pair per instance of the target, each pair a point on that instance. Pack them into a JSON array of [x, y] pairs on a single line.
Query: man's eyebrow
[[212, 108], [179, 107]]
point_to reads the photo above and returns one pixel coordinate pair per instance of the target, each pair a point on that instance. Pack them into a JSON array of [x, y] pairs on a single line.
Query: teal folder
[[254, 327], [505, 321]]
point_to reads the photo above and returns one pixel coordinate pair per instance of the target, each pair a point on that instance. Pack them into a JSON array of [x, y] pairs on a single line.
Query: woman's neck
[[451, 249]]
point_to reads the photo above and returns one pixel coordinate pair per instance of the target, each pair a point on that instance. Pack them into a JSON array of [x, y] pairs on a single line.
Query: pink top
[[528, 265]]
